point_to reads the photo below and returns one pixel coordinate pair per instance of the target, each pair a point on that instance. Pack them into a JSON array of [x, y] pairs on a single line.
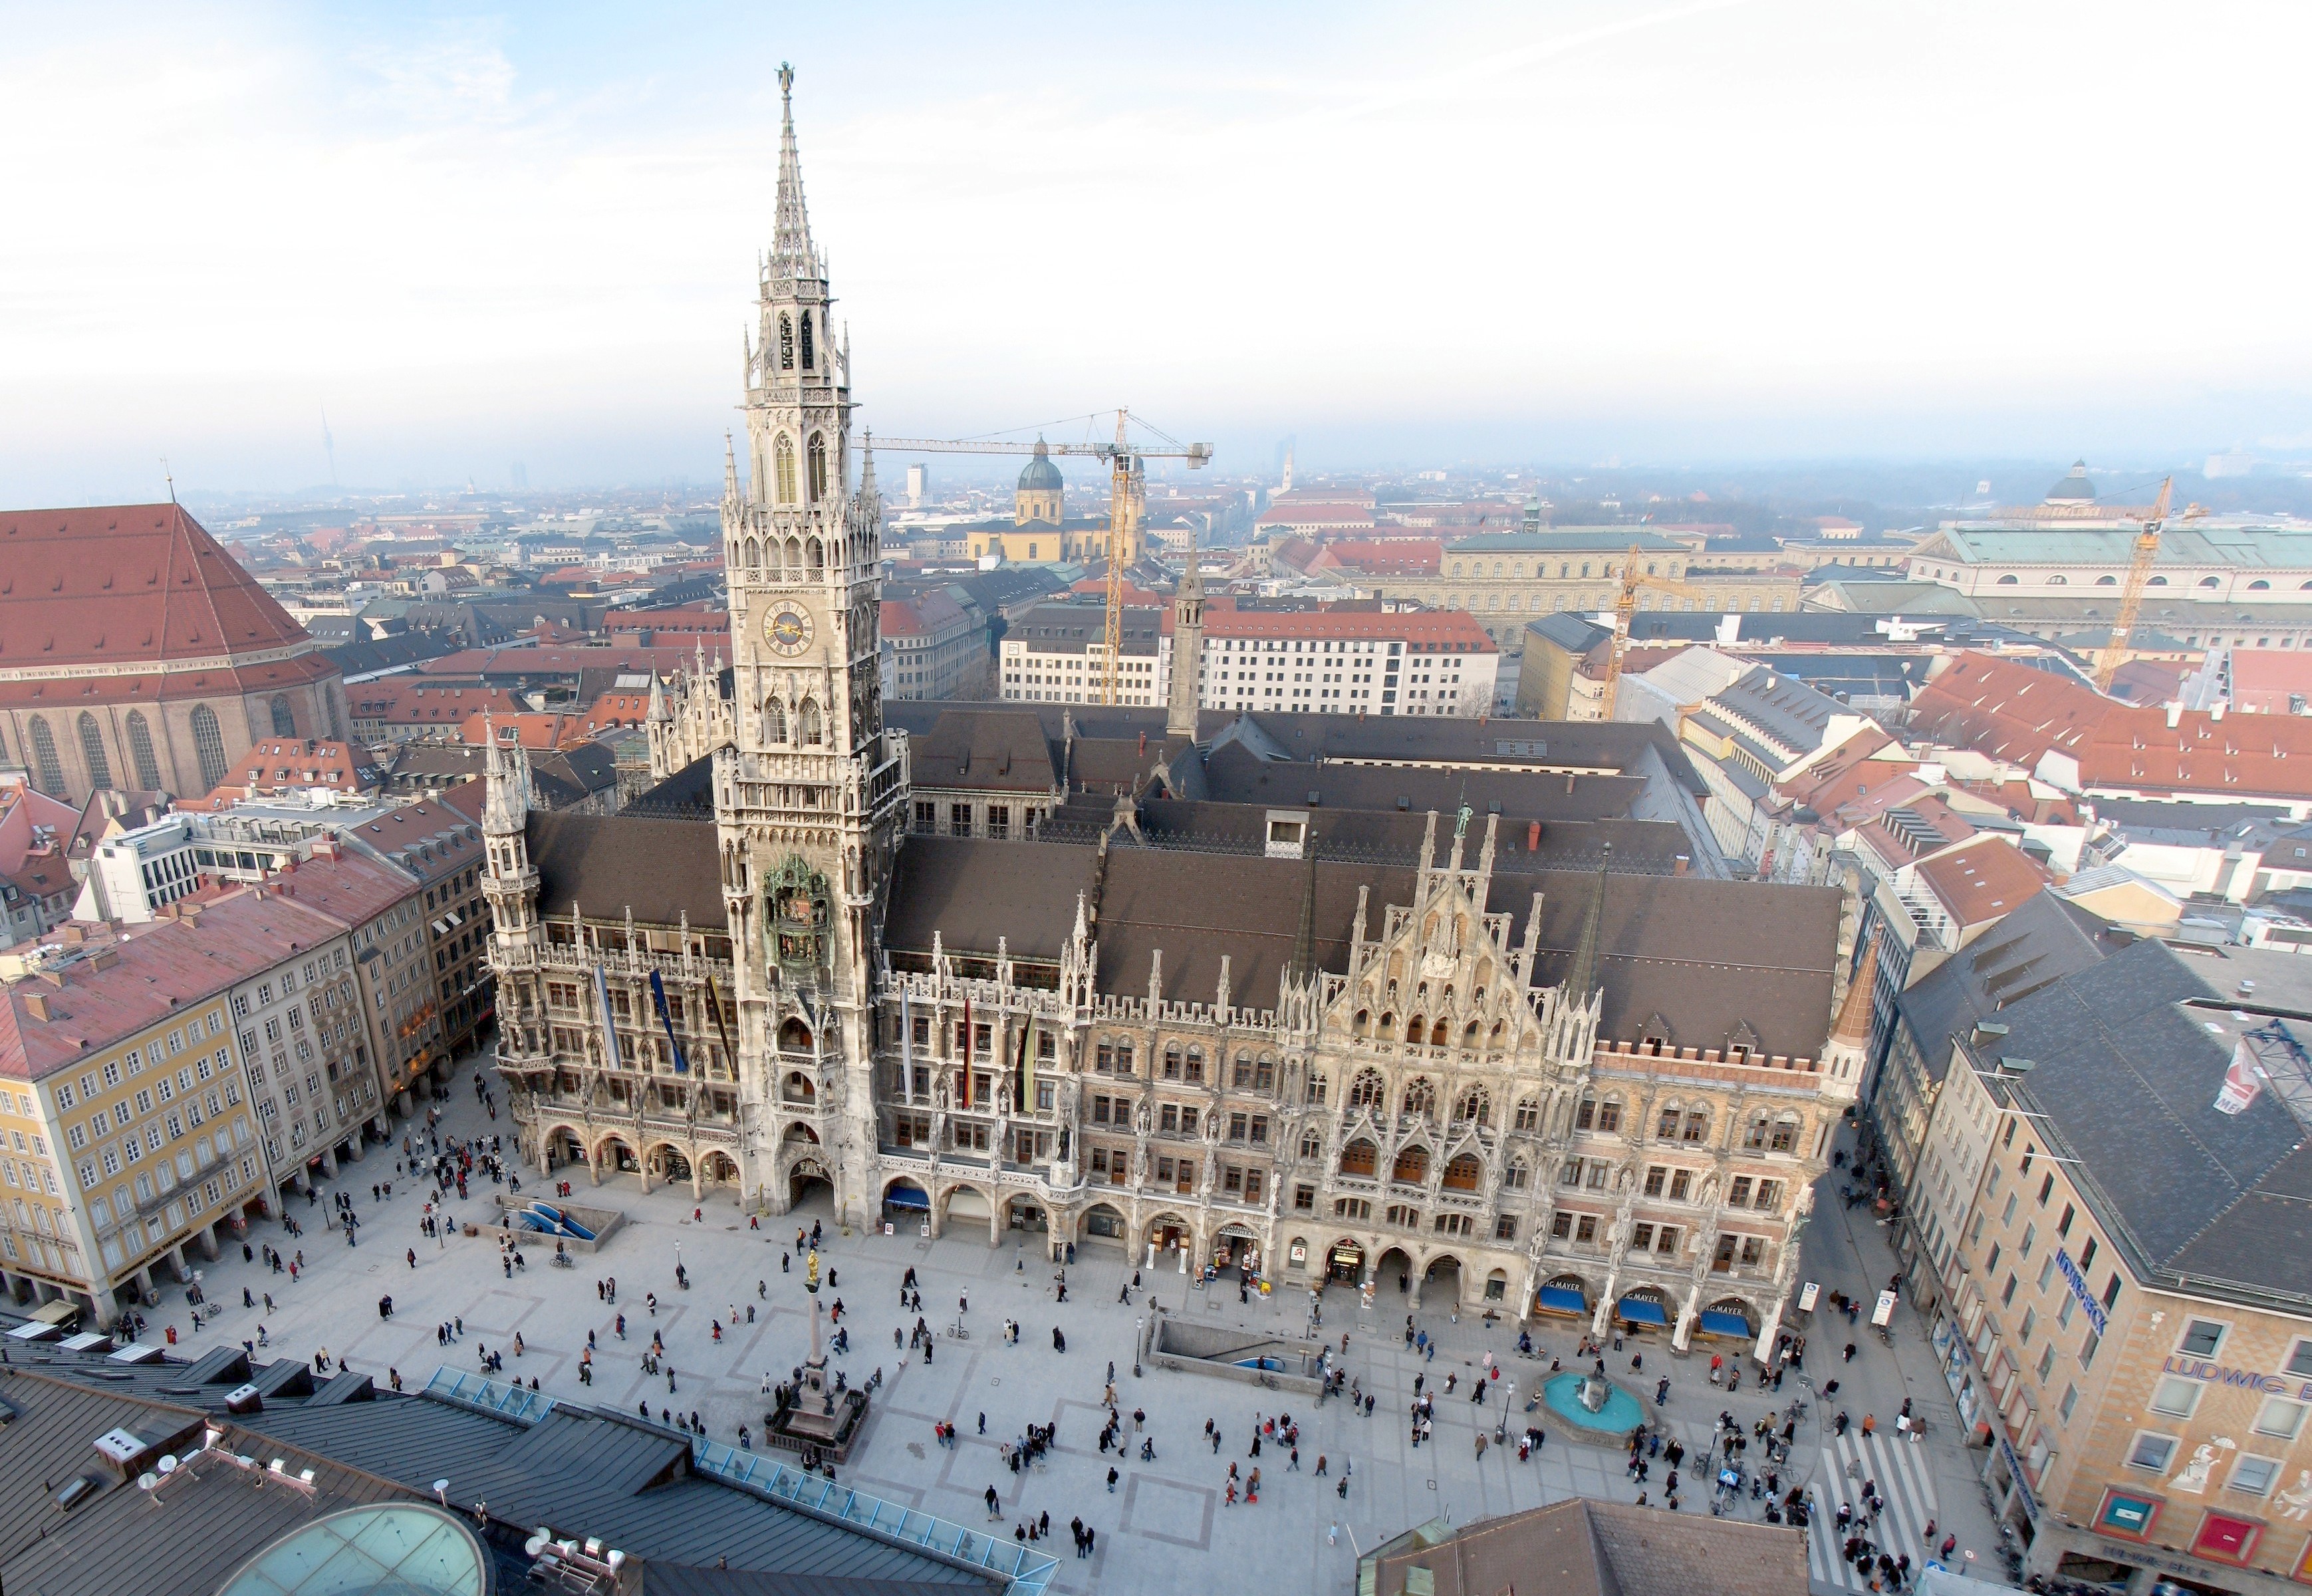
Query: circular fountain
[[1593, 1408]]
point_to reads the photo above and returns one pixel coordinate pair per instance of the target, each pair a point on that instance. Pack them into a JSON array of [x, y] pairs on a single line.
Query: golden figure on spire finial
[[786, 80]]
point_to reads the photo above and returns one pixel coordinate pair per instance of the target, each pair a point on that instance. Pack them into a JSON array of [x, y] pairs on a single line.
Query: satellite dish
[[168, 1462], [538, 1543], [147, 1480]]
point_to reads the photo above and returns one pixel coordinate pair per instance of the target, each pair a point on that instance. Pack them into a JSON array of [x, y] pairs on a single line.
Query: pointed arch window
[[285, 724], [208, 743], [46, 767], [809, 353], [818, 465], [91, 752], [783, 467], [809, 724], [786, 342], [140, 752], [775, 723]]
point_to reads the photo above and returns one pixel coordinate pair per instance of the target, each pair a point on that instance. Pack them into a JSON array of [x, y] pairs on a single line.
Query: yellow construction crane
[[1624, 607], [1127, 485], [2131, 597]]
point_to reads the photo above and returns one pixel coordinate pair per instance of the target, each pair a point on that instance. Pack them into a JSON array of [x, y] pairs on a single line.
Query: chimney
[[36, 1004], [2174, 716], [1679, 865], [74, 937], [1532, 836], [2216, 710]]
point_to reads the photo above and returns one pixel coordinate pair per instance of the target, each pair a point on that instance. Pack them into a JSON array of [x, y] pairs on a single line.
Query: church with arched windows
[[136, 654], [1348, 1032]]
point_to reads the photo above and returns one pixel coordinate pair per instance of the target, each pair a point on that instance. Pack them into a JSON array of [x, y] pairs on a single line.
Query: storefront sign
[[1299, 1253], [2270, 1385], [1807, 1295], [1884, 1313], [2078, 1284], [2022, 1480]]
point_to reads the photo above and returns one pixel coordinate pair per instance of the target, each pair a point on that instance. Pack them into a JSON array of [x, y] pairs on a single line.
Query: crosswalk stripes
[[1899, 1470]]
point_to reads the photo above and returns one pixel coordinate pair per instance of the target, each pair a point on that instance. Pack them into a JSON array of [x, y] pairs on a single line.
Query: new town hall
[[1337, 999]]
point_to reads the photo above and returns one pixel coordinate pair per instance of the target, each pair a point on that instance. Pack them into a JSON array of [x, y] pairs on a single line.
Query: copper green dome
[[1041, 474]]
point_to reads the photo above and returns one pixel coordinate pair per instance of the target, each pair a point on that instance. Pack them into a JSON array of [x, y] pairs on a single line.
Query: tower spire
[[791, 255], [730, 470]]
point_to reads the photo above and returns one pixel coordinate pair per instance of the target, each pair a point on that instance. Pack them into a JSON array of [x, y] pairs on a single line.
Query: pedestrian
[[1850, 1352], [982, 1424], [1320, 1465], [1111, 1480]]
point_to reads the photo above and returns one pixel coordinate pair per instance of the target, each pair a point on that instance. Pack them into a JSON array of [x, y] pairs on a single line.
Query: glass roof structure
[[400, 1549]]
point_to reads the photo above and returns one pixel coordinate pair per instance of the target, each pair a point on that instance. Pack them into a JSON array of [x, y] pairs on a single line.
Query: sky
[[1715, 229]]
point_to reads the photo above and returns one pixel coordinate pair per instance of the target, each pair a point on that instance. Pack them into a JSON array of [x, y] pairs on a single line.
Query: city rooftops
[[93, 985]]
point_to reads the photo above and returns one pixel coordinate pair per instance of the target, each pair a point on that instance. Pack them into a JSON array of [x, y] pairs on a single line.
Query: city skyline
[[470, 241]]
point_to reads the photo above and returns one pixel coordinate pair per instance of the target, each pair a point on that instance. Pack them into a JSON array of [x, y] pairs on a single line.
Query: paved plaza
[[1167, 1525]]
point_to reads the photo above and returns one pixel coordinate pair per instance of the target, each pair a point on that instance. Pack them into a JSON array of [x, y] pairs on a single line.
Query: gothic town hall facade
[[1452, 1066]]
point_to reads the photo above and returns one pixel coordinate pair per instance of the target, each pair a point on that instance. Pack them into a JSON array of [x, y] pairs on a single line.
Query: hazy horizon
[[1714, 235]]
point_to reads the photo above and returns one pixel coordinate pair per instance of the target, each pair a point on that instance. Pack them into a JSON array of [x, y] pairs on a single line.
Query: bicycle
[[956, 1332]]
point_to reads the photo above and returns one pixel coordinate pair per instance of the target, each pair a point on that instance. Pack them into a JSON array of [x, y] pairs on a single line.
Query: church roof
[[2074, 487], [126, 584]]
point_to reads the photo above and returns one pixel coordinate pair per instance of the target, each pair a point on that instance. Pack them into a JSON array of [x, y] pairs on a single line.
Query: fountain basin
[[1610, 1426]]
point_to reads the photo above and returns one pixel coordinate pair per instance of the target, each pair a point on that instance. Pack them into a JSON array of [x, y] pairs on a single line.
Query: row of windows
[[208, 743]]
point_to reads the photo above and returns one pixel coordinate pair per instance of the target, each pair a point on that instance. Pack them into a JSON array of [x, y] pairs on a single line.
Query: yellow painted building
[[125, 1110]]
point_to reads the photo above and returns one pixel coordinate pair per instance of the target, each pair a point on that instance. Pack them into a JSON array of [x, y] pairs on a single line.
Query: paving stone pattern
[[1168, 1527]]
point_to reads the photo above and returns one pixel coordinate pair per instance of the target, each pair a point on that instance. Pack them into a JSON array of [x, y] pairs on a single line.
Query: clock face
[[787, 629]]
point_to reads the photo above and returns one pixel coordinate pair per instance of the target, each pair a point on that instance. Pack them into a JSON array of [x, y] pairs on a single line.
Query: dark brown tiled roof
[[1587, 1547], [1707, 956], [604, 865], [994, 748]]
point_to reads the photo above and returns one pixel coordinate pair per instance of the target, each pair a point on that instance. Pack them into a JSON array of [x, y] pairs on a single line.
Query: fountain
[[1593, 1408]]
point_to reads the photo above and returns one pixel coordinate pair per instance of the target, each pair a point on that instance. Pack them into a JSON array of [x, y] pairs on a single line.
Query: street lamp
[[1137, 1323]]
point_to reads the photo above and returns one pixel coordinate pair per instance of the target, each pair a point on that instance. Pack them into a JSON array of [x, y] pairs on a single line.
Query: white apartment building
[[1057, 654], [1346, 662]]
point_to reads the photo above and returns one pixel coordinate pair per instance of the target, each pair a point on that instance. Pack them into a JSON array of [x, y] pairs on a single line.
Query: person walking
[[1111, 1480]]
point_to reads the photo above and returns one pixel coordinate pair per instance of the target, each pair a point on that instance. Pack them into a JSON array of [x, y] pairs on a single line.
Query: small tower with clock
[[809, 796]]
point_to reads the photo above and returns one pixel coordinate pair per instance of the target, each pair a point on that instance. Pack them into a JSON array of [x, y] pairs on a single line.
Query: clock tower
[[809, 796]]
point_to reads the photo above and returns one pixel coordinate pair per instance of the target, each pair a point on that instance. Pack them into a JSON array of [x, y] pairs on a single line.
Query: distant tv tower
[[329, 445]]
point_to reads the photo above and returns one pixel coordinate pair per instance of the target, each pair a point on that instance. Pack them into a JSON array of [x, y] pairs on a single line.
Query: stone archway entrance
[[1344, 1261], [1394, 1269], [1103, 1225], [807, 1183], [1441, 1282], [1025, 1213]]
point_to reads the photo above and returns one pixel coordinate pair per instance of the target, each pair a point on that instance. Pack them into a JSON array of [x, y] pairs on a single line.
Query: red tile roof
[[532, 730], [294, 765], [2017, 714], [118, 983], [408, 701], [127, 583], [1982, 880]]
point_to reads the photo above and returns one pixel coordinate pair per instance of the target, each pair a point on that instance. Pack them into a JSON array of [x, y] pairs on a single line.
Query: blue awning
[[906, 1197], [1717, 1323], [1638, 1311], [1560, 1299]]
